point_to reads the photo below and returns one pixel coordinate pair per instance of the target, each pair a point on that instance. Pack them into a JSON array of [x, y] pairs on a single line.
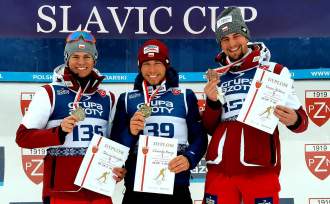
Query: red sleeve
[[37, 138], [302, 122], [49, 92], [278, 69], [211, 115]]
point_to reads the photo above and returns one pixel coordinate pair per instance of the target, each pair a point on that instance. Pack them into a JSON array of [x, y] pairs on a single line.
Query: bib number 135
[[86, 132]]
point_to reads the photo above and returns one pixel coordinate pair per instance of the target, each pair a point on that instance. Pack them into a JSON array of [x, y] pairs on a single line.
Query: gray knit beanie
[[230, 21], [79, 46]]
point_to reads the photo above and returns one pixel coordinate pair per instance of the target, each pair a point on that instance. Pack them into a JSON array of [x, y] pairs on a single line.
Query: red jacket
[[40, 128], [236, 148]]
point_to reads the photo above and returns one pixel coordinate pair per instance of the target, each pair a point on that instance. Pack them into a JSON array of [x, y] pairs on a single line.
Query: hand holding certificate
[[95, 172], [152, 174], [266, 91]]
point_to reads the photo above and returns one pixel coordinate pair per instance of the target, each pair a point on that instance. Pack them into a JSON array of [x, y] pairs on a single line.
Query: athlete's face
[[234, 46], [81, 63], [153, 71]]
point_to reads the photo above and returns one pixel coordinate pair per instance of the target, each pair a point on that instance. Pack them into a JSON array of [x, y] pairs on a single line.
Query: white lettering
[[182, 77], [186, 20], [65, 21], [90, 111], [42, 77], [153, 21], [317, 114], [98, 21], [322, 160], [121, 16], [119, 26], [38, 167], [140, 10], [253, 12], [156, 109], [109, 77], [46, 18], [213, 17]]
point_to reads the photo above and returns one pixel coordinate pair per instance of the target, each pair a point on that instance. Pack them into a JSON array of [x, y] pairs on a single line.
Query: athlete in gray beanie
[[80, 41], [231, 21]]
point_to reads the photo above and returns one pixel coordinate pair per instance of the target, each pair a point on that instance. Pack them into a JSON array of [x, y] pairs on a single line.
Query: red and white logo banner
[[318, 106], [33, 164], [26, 98], [201, 97], [317, 158]]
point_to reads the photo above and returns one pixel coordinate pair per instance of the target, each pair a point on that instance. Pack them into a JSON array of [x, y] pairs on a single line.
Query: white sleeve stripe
[[126, 95], [53, 102], [185, 100]]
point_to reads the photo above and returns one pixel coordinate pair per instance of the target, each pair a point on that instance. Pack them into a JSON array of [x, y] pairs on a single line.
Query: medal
[[212, 75], [145, 110], [79, 113]]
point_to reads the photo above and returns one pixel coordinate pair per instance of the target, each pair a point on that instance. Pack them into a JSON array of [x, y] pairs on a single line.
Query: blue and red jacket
[[175, 114]]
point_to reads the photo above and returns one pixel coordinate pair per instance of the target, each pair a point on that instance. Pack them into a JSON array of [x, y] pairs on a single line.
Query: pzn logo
[[318, 105], [317, 158], [33, 165]]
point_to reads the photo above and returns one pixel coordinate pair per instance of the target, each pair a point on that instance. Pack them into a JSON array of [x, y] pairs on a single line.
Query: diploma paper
[[152, 174], [266, 91], [95, 172]]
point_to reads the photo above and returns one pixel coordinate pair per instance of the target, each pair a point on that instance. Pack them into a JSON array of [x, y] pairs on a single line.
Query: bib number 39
[[160, 129]]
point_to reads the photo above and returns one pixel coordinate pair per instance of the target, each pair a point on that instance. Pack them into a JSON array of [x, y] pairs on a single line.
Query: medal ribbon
[[147, 97], [224, 69], [254, 96], [144, 163], [79, 95]]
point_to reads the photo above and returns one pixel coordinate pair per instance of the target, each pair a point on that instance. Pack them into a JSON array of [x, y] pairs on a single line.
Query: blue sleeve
[[197, 136], [120, 128]]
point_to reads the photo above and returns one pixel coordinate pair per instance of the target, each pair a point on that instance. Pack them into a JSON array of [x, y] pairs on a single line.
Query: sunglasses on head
[[75, 36]]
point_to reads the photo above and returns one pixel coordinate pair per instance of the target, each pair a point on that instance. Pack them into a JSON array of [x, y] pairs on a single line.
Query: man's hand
[[69, 123], [119, 173], [286, 115], [137, 123], [211, 89], [178, 164]]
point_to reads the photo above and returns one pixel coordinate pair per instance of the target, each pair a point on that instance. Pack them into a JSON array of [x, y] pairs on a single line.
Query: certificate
[[266, 91], [95, 172], [152, 174]]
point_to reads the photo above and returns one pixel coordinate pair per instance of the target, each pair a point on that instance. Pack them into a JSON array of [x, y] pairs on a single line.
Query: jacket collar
[[256, 54], [73, 82]]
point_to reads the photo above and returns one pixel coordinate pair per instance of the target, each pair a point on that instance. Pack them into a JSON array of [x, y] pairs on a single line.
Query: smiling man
[[158, 107], [243, 162], [60, 118]]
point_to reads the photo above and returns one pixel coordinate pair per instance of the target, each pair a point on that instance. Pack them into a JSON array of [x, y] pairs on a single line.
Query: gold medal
[[145, 110], [79, 113]]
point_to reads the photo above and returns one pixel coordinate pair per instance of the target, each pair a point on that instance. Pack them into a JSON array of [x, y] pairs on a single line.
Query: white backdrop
[[304, 176]]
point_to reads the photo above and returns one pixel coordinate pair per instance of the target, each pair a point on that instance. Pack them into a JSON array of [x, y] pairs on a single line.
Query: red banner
[[318, 106]]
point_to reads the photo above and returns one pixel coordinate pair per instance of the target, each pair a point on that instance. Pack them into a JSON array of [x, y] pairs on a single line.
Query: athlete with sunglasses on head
[[63, 116]]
